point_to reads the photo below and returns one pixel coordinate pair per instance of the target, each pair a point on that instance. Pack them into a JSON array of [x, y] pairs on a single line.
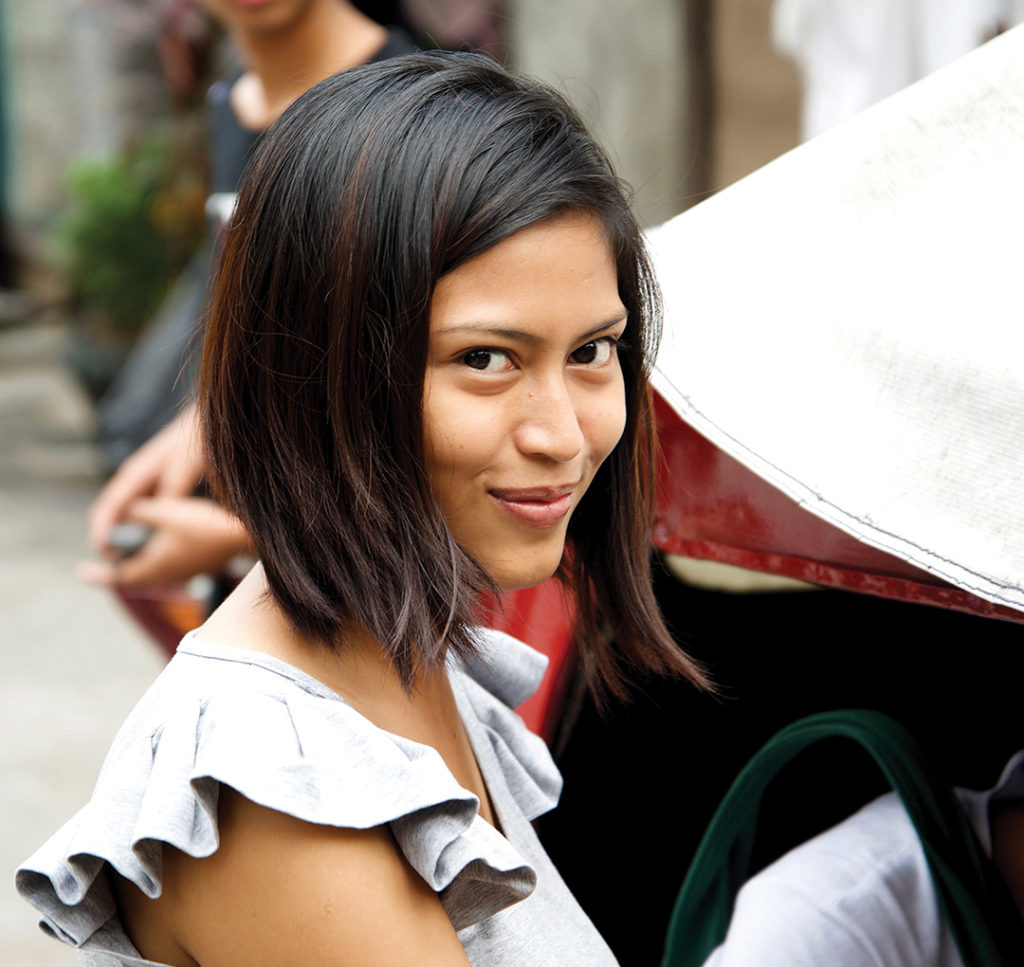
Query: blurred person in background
[[286, 47]]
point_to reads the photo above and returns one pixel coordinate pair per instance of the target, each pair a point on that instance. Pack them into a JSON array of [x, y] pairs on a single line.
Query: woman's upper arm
[[280, 891]]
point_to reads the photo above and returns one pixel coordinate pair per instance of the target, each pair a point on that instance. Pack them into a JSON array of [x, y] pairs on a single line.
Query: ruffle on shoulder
[[501, 676], [283, 740]]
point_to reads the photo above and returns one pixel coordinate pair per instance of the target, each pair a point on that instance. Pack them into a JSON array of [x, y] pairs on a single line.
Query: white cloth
[[858, 895], [852, 53], [846, 322]]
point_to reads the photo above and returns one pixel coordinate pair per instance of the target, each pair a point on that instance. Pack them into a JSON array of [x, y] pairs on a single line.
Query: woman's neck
[[359, 671], [327, 37]]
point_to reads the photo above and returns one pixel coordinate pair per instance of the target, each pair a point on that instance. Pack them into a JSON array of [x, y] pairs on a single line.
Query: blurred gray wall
[[623, 64], [62, 99]]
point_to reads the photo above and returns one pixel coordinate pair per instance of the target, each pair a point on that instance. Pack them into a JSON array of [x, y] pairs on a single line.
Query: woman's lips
[[538, 506]]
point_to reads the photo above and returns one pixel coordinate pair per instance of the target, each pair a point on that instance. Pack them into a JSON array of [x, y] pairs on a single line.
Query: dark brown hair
[[369, 189]]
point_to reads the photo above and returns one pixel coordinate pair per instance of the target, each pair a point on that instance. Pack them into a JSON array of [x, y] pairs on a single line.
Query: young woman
[[425, 379]]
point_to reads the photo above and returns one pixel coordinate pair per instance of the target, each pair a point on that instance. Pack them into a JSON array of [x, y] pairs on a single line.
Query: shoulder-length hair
[[370, 188]]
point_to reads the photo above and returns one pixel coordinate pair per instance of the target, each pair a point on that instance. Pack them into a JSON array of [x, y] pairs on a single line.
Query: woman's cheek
[[610, 422]]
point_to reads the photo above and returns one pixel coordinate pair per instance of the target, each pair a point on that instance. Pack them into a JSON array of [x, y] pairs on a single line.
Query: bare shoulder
[[280, 891]]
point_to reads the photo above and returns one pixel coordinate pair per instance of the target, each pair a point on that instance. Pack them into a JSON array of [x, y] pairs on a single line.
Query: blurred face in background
[[260, 15]]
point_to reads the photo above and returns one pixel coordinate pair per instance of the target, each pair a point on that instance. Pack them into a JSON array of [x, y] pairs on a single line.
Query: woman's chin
[[525, 575]]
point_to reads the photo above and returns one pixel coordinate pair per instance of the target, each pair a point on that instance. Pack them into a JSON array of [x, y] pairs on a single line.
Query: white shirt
[[858, 895]]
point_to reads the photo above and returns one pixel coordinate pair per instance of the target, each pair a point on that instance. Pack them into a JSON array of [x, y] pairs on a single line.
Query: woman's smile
[[523, 397], [536, 506]]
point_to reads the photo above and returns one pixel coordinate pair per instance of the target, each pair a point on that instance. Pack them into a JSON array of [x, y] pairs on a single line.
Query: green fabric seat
[[975, 902]]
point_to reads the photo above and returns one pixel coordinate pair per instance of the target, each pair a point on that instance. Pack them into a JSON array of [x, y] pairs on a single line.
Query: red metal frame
[[165, 613], [712, 507], [542, 617]]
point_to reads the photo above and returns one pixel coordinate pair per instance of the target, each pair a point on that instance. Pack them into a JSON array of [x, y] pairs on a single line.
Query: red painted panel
[[542, 617], [711, 506]]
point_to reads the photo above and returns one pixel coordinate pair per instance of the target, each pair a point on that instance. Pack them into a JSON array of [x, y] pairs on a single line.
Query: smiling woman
[[524, 396], [418, 386]]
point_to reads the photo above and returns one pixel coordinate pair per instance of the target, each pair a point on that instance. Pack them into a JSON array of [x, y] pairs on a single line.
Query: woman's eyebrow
[[527, 338]]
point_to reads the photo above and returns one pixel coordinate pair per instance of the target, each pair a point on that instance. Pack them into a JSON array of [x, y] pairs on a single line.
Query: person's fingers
[[96, 572], [156, 563], [157, 512], [167, 540], [149, 567], [184, 468], [153, 555], [179, 479], [162, 561], [130, 482], [169, 464], [194, 519]]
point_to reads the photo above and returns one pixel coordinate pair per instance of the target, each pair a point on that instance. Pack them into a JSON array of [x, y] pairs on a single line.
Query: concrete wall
[[622, 63], [59, 69]]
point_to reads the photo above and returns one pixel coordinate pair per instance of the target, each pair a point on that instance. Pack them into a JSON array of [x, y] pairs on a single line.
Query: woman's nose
[[550, 424]]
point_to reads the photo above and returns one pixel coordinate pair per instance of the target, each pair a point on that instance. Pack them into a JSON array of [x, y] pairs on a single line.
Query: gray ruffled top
[[283, 740]]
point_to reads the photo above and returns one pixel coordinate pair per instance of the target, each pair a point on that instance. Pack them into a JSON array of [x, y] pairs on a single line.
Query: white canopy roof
[[848, 322]]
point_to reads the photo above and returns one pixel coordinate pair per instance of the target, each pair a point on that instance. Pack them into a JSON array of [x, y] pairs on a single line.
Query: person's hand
[[170, 464], [188, 536]]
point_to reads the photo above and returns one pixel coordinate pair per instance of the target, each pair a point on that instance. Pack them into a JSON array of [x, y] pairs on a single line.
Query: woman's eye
[[486, 360], [594, 353]]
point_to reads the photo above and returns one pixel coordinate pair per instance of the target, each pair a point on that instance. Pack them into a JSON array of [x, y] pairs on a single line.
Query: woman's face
[[258, 15], [523, 395]]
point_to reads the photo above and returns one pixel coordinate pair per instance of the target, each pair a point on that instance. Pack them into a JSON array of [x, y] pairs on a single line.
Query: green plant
[[133, 223]]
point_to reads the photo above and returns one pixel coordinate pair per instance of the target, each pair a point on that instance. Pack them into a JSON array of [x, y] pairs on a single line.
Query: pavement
[[73, 662]]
